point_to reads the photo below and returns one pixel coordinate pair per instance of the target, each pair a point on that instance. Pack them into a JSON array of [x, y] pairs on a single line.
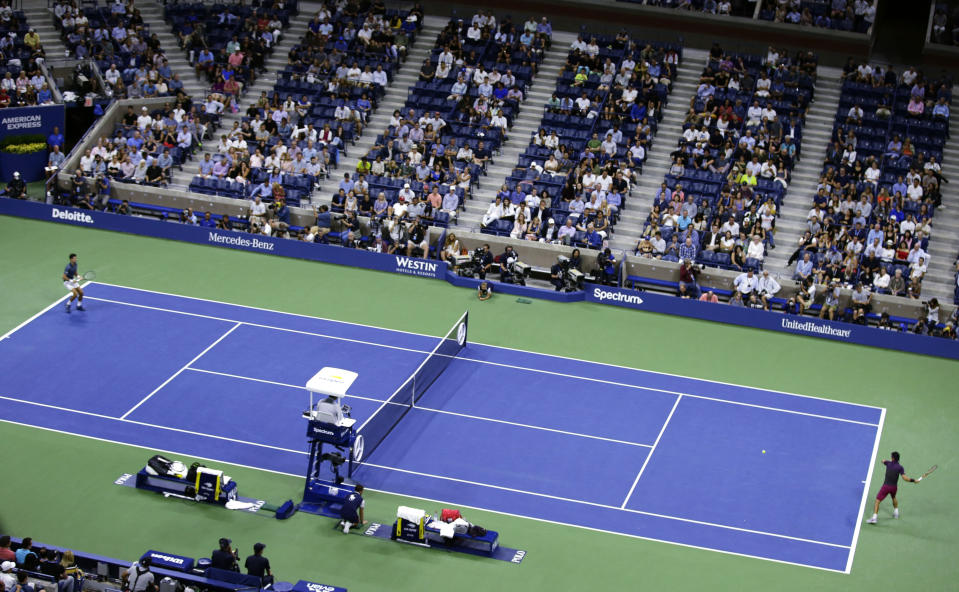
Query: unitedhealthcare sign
[[773, 321]]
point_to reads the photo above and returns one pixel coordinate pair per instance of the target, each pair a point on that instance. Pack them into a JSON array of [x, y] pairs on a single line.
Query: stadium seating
[[903, 146], [597, 73], [220, 29], [853, 17], [711, 157], [447, 123], [22, 83]]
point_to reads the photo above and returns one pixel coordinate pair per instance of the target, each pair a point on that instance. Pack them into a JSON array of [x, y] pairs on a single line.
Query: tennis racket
[[929, 472], [90, 275]]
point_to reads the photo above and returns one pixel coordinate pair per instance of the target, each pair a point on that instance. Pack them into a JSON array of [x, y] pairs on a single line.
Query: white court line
[[433, 410], [865, 493], [295, 314], [434, 500], [34, 317], [650, 454], [178, 372], [607, 506], [444, 478], [145, 424], [500, 364]]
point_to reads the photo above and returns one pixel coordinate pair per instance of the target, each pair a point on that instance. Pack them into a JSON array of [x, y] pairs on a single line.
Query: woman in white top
[[727, 243], [552, 140], [351, 204], [451, 248]]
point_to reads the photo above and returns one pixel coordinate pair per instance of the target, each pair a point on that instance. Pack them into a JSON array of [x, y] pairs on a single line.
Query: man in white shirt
[[379, 77], [754, 114], [766, 288], [493, 212], [880, 283], [914, 192], [746, 283], [908, 224], [406, 193], [731, 226], [609, 146]]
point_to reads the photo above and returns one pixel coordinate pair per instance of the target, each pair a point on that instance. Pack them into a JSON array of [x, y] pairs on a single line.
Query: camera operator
[[484, 260], [417, 239], [606, 267], [484, 291], [687, 278], [225, 557], [506, 260], [557, 273]]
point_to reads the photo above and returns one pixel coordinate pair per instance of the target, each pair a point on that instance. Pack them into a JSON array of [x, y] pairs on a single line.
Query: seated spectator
[[225, 557], [138, 577], [258, 565], [709, 296]]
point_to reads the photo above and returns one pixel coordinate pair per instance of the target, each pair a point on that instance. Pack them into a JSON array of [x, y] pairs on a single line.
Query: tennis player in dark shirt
[[890, 486]]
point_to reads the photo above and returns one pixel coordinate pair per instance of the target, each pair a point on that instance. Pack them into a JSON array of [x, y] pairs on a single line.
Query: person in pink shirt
[[435, 199], [709, 297], [916, 106]]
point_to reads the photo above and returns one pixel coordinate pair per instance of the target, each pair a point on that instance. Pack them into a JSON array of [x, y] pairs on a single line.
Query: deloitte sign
[[71, 215]]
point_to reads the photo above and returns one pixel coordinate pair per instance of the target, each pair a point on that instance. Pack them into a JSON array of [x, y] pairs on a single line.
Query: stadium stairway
[[944, 242], [152, 12], [179, 62], [40, 17], [525, 124], [394, 98], [816, 136], [629, 228]]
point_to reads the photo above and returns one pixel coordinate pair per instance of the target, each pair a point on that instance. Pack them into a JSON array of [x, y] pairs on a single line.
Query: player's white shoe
[[346, 528], [895, 513], [872, 520]]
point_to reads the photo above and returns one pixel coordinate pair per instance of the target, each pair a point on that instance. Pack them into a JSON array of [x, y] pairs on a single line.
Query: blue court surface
[[602, 447]]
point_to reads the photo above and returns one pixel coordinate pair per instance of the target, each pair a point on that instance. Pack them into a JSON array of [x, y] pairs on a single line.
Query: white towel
[[410, 514]]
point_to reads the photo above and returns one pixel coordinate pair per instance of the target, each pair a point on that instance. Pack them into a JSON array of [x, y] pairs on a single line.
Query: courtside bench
[[486, 544]]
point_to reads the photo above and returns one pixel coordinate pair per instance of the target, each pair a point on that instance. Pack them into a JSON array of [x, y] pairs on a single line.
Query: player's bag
[[191, 474], [476, 530], [449, 515], [158, 465]]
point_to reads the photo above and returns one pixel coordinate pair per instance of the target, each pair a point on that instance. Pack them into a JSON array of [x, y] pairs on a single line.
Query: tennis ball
[[764, 452]]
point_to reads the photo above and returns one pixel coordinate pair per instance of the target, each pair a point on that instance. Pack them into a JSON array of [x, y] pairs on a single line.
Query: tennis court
[[637, 453]]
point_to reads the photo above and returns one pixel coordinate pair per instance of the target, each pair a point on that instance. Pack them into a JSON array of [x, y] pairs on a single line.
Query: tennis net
[[385, 418]]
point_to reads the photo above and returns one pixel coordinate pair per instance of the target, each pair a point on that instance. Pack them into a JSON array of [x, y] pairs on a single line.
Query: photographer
[[506, 261], [606, 267], [484, 260], [225, 557], [138, 577], [557, 273], [417, 239], [484, 291], [399, 236], [687, 278]]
